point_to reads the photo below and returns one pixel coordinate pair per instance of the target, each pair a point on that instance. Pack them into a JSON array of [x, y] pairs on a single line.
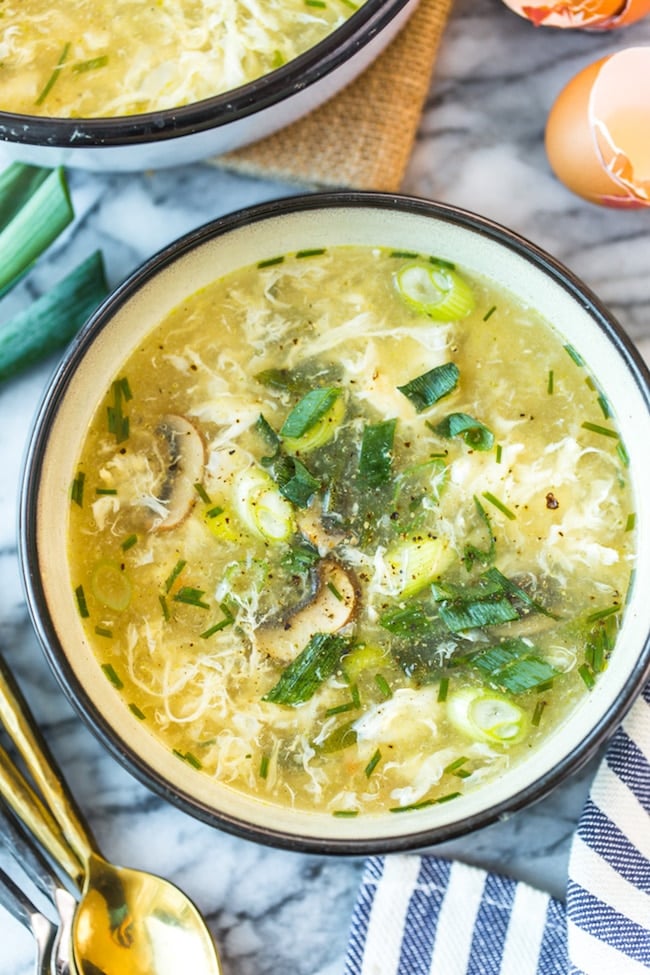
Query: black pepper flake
[[551, 501]]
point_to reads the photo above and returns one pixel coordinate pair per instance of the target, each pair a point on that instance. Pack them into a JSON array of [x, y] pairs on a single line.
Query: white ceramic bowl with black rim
[[193, 132], [93, 360]]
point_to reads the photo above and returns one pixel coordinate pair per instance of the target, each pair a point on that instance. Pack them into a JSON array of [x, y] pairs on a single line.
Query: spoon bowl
[[127, 922]]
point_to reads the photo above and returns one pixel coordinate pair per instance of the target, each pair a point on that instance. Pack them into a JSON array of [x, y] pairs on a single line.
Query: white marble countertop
[[480, 146]]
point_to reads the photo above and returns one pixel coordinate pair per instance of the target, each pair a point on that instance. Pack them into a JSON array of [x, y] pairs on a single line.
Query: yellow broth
[[83, 59], [449, 595]]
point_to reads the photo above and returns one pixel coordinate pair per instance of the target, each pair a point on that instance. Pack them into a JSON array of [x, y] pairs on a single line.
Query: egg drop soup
[[91, 58], [352, 531]]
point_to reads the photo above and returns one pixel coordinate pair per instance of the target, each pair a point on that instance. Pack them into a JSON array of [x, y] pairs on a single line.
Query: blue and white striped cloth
[[422, 915]]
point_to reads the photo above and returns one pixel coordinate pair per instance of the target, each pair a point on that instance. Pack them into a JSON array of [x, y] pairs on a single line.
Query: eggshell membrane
[[598, 131], [581, 14]]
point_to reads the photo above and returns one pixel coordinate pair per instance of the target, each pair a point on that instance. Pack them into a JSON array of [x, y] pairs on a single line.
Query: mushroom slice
[[331, 607], [310, 524], [185, 452]]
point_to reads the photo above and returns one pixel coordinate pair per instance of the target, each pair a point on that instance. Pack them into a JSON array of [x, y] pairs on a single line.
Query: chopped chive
[[310, 252], [500, 505], [116, 681], [404, 255], [455, 765], [129, 542], [489, 313], [202, 493], [550, 383], [174, 574], [227, 620], [315, 3], [448, 797], [54, 76], [81, 602], [332, 588], [499, 453], [596, 428], [214, 512], [546, 686], [164, 607], [372, 764], [440, 262], [136, 710], [126, 389], [598, 658], [193, 760], [443, 689], [356, 700], [383, 686], [587, 676], [104, 631], [264, 766], [590, 383], [346, 813], [341, 709], [77, 490], [602, 614], [415, 805], [622, 453], [631, 522], [191, 596], [604, 405], [112, 491], [92, 64], [118, 423], [272, 260], [574, 354], [537, 713]]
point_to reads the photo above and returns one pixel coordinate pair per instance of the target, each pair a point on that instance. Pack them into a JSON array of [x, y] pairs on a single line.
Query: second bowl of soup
[[351, 494]]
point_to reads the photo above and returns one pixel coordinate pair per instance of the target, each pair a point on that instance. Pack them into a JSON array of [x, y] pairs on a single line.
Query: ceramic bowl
[[247, 237], [193, 132]]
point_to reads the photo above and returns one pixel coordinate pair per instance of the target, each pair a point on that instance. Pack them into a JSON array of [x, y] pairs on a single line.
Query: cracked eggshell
[[598, 131], [581, 14]]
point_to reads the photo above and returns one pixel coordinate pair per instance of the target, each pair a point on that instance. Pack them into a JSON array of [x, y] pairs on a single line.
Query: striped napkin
[[422, 915]]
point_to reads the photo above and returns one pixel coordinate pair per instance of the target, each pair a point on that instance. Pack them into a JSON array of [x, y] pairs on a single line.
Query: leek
[[313, 665], [431, 386]]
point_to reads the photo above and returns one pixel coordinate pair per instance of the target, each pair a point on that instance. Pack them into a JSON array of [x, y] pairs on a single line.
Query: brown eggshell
[[598, 131], [581, 14]]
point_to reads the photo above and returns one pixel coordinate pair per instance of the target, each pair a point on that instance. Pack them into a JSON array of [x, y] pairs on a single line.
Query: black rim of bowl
[[211, 113], [37, 605]]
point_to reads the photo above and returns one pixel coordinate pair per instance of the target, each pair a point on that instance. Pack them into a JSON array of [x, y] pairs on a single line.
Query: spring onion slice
[[313, 665], [376, 457], [431, 386], [53, 319], [474, 433], [33, 228], [308, 411], [436, 291], [486, 716]]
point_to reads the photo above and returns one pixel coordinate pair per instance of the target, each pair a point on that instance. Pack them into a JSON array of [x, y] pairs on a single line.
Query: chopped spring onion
[[110, 585], [602, 614], [474, 433], [53, 319], [37, 223], [364, 657], [514, 590], [486, 716], [587, 676], [415, 562], [313, 665], [262, 507], [513, 665], [489, 313], [376, 456], [308, 411], [434, 290], [431, 386]]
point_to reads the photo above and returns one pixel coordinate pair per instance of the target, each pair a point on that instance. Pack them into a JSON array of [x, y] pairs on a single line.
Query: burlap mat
[[362, 138]]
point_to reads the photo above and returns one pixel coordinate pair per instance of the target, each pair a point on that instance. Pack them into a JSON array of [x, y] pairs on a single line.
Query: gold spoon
[[127, 922]]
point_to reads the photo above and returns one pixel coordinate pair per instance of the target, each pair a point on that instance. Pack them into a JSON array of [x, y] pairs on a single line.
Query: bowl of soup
[[129, 86], [330, 523]]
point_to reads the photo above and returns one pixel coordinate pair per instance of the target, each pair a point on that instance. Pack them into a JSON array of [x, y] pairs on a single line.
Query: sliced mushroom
[[331, 607], [310, 524], [185, 455]]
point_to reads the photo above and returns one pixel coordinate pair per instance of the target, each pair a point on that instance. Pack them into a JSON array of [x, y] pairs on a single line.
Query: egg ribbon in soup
[[352, 530], [91, 58]]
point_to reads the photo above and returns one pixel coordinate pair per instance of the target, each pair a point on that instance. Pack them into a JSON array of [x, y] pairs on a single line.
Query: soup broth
[[90, 58], [352, 531]]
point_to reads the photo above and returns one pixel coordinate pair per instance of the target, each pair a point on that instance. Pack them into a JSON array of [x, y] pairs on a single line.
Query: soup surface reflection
[[352, 530]]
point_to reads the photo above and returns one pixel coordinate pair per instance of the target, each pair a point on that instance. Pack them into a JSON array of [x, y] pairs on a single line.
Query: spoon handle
[[20, 797], [23, 730], [28, 854], [20, 906]]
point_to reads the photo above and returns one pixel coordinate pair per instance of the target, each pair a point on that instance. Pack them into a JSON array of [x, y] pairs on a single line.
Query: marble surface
[[480, 145]]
